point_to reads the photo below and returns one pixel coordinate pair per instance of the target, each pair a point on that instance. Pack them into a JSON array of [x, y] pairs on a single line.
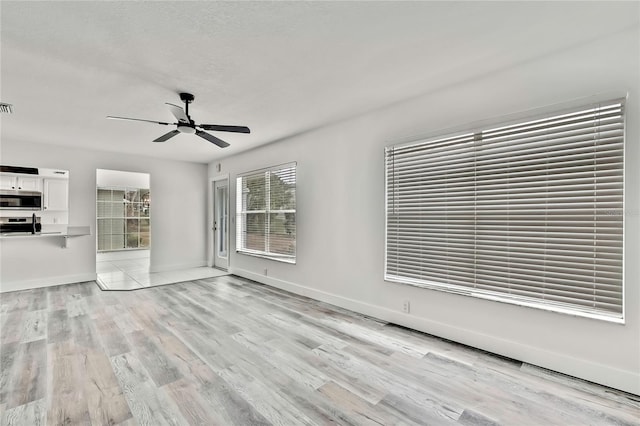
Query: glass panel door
[[221, 224]]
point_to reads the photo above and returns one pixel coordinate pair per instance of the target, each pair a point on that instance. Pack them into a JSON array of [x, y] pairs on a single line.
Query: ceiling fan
[[186, 125]]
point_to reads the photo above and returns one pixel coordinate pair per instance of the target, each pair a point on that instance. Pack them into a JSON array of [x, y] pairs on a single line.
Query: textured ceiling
[[281, 68]]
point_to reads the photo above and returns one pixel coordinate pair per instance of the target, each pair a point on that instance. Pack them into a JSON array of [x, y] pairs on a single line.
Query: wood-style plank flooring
[[227, 351]]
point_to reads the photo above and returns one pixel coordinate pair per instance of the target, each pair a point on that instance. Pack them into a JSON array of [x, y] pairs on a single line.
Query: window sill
[[505, 299], [282, 259]]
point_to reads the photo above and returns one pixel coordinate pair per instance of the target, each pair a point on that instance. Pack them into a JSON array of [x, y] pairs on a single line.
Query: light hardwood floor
[[224, 351]]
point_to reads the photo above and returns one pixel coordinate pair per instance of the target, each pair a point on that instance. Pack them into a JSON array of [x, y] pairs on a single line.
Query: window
[[266, 213], [123, 218], [528, 213]]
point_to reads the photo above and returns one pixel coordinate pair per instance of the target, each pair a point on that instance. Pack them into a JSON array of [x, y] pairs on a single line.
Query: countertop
[[69, 231]]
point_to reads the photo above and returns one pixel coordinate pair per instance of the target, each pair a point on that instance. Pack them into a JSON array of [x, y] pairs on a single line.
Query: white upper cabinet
[[20, 183], [56, 194], [7, 182], [52, 183], [29, 184]]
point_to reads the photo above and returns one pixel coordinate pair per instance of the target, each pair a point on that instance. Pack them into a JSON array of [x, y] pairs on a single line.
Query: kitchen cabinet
[[7, 182], [56, 195], [29, 184], [20, 183]]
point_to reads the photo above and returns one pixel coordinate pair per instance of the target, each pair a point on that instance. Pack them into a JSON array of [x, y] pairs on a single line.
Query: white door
[[221, 224]]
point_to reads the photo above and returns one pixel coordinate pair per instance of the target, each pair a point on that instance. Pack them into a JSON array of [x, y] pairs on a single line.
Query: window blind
[[266, 213], [528, 213]]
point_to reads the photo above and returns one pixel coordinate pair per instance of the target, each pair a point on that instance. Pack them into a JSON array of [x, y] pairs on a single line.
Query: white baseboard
[[627, 381], [45, 282], [177, 266]]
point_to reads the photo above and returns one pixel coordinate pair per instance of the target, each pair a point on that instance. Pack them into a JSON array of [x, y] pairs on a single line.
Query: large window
[[266, 213], [123, 218], [528, 213]]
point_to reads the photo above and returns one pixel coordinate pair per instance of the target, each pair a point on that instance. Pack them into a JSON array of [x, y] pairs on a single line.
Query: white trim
[[283, 258], [46, 282], [386, 210], [628, 381], [504, 298], [210, 218], [625, 228]]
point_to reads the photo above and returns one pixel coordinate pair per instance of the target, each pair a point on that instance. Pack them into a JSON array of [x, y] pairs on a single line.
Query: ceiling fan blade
[[212, 139], [138, 119], [225, 128], [179, 113], [167, 136]]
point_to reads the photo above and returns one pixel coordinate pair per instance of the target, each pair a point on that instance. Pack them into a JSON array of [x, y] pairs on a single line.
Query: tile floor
[[129, 270]]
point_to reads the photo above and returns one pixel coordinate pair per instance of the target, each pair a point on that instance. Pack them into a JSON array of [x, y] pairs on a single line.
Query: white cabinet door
[[56, 194], [20, 183], [29, 184], [8, 182]]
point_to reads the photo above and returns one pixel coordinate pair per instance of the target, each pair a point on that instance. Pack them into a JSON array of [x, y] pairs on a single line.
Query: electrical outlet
[[265, 271], [406, 307]]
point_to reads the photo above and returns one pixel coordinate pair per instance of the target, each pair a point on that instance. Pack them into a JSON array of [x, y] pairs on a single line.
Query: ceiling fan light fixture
[[186, 129]]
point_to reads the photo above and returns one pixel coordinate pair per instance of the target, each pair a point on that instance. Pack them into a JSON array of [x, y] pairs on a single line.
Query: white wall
[[340, 218], [119, 178], [178, 219]]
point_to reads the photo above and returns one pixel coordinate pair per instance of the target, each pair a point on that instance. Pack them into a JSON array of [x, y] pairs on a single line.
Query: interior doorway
[[220, 226], [123, 224]]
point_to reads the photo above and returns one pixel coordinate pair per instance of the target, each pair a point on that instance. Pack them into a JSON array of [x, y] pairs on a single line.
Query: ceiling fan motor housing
[[186, 129], [190, 128]]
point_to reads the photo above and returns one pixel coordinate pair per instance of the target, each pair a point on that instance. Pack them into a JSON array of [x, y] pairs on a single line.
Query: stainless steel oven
[[20, 225], [20, 200]]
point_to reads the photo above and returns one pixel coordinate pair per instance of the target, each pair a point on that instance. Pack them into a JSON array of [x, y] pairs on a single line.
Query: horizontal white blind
[[266, 213], [530, 213]]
